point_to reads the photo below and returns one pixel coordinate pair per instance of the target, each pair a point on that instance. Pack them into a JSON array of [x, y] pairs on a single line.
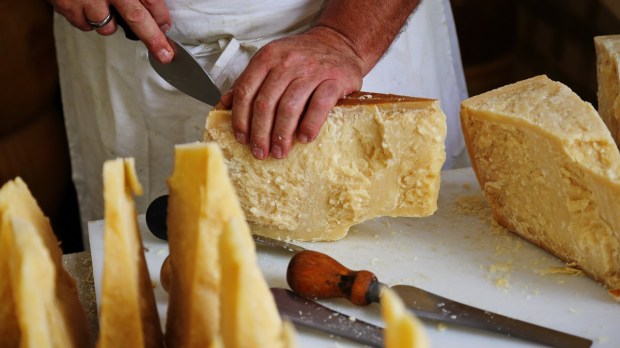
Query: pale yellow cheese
[[128, 314], [202, 203], [39, 305], [550, 170], [402, 329], [376, 155], [249, 317], [608, 76]]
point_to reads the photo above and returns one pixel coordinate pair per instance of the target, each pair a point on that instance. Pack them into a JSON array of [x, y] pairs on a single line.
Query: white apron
[[115, 105]]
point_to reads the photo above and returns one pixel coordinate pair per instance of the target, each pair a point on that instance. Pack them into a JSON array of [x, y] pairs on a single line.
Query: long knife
[[183, 72], [310, 314], [316, 275]]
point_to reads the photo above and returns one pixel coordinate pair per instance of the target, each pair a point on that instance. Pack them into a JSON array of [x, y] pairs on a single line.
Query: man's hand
[[149, 20], [288, 89], [291, 84]]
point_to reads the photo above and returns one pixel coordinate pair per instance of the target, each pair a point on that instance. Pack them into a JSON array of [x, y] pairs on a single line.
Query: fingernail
[[276, 151], [302, 138], [257, 152], [240, 137], [164, 55], [165, 28]]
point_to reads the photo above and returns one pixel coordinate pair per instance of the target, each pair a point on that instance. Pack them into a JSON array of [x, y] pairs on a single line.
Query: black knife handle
[[121, 22]]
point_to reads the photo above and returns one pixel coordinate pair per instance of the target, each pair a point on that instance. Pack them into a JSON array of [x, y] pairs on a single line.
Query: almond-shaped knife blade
[[310, 314], [430, 306], [186, 75]]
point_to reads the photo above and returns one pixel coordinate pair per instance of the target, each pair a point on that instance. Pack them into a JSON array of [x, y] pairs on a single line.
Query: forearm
[[367, 26]]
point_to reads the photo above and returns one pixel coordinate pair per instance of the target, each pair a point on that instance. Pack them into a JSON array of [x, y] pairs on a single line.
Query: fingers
[[144, 25], [98, 12], [325, 96]]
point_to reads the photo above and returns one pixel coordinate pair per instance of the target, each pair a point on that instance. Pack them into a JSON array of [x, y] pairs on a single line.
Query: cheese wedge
[[201, 201], [39, 304], [402, 329], [376, 155], [608, 76], [128, 313], [550, 170], [249, 315]]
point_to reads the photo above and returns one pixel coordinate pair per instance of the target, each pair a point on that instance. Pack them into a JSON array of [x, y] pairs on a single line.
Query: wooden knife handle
[[315, 275]]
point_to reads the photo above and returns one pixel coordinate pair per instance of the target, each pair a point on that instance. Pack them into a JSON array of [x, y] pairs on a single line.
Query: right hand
[[149, 20]]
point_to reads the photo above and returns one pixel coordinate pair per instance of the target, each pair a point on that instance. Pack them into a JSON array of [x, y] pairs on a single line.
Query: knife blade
[[316, 275], [183, 72], [310, 314]]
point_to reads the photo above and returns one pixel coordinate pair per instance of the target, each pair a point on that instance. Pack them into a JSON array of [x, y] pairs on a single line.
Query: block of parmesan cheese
[[128, 313], [402, 328], [39, 304], [376, 155], [550, 170], [608, 76], [206, 305]]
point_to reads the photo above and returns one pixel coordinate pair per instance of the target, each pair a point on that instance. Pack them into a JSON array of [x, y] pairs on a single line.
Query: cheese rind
[[550, 170], [128, 313], [376, 155], [608, 77], [39, 304]]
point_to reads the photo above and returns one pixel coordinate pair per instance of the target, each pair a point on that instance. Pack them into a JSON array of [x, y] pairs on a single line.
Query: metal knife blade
[[310, 314], [185, 74], [427, 305]]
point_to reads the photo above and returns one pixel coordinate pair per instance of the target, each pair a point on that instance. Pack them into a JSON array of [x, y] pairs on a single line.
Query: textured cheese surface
[[550, 170], [39, 305], [128, 313], [201, 206], [376, 155], [608, 76], [402, 329], [249, 315]]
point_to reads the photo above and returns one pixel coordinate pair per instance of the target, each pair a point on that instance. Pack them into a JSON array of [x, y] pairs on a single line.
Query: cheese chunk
[[550, 170], [376, 155], [608, 76], [249, 316], [128, 314], [202, 205], [402, 329], [39, 304]]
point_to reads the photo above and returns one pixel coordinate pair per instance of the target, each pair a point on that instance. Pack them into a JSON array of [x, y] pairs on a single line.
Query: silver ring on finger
[[102, 23]]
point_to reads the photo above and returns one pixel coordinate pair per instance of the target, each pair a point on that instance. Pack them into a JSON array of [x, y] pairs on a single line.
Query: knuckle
[[242, 92], [262, 105], [135, 15]]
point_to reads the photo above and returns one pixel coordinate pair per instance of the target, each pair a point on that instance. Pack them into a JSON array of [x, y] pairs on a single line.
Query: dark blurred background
[[501, 41]]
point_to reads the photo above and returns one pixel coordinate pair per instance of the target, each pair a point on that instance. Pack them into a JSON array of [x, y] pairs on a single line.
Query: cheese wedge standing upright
[[608, 76], [376, 155], [216, 291], [402, 329], [128, 313], [200, 202], [39, 304], [249, 315], [550, 170]]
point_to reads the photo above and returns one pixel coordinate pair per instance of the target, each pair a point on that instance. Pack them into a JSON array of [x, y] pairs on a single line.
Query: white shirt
[[115, 105]]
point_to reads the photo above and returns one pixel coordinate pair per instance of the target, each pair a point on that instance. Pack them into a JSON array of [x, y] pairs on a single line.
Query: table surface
[[459, 253]]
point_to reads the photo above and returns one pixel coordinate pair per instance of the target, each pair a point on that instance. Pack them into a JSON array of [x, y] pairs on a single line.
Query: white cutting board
[[454, 253]]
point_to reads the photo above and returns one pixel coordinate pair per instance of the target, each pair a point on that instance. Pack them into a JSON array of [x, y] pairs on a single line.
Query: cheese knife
[[316, 275], [310, 314], [183, 72]]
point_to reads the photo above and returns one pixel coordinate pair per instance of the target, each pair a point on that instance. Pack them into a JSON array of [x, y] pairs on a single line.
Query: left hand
[[288, 89]]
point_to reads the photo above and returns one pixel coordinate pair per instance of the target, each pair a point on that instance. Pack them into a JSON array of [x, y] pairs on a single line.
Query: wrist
[[342, 43]]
